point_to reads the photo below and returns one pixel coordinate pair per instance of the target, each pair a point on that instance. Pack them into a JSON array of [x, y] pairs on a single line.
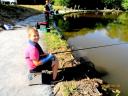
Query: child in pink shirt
[[36, 59]]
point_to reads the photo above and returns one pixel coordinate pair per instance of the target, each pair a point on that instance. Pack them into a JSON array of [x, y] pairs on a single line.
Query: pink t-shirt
[[31, 53]]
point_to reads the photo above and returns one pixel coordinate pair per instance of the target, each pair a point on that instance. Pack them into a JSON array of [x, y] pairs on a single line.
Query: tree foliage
[[93, 4], [112, 3], [125, 4]]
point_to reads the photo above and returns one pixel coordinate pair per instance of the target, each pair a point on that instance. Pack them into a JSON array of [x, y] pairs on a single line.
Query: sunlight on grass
[[58, 7], [36, 7], [41, 7], [53, 41], [69, 88]]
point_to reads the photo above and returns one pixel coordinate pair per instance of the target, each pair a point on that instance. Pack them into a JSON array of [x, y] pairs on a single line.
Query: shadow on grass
[[83, 70]]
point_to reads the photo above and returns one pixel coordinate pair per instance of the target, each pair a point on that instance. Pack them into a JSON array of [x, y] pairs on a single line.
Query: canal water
[[90, 33]]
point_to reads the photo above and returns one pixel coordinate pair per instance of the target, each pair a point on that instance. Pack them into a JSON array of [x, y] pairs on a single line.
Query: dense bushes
[[93, 4]]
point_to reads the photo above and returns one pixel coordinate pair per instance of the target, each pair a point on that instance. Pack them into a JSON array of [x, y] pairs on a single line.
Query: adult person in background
[[48, 11], [48, 7]]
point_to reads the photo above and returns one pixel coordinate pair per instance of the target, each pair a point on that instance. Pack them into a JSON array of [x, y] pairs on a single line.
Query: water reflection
[[113, 31], [92, 32], [112, 59]]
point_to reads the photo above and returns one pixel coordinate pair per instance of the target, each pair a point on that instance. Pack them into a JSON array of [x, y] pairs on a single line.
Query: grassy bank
[[8, 13], [55, 44]]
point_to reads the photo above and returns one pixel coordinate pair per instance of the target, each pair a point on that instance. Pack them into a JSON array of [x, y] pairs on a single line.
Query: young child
[[36, 58]]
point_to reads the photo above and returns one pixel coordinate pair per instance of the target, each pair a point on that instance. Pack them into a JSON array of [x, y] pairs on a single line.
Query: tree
[[62, 2], [90, 4], [125, 4], [112, 3]]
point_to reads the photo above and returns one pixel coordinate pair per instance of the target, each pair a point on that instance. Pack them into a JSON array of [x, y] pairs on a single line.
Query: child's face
[[34, 36]]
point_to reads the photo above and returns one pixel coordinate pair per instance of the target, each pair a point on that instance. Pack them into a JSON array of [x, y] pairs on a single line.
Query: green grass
[[54, 41], [9, 13], [39, 8], [68, 87]]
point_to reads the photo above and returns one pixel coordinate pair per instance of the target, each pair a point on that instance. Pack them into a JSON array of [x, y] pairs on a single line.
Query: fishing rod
[[88, 48]]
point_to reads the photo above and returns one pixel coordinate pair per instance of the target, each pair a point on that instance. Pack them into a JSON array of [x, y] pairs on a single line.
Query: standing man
[[48, 11], [48, 7]]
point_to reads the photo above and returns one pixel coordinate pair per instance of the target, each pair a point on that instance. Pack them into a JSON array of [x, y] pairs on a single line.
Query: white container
[[11, 2]]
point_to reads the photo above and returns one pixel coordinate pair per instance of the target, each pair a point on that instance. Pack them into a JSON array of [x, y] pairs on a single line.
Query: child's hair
[[31, 29]]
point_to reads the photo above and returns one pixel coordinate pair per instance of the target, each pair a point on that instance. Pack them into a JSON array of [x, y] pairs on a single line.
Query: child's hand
[[46, 59], [44, 54]]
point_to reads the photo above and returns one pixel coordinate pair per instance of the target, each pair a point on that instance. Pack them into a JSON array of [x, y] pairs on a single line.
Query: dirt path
[[13, 69]]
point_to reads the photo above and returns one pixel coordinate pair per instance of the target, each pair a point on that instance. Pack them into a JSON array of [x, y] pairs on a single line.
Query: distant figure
[[56, 12], [36, 59], [48, 7], [48, 11]]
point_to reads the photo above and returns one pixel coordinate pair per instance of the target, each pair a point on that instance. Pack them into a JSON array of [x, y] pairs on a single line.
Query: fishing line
[[89, 48]]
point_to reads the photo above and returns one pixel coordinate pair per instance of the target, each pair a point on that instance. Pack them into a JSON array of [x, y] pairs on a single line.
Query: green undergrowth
[[53, 41]]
